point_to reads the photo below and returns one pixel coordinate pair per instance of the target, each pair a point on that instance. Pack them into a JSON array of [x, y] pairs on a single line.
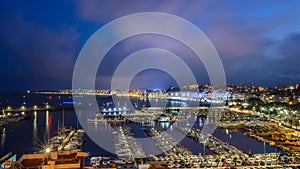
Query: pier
[[66, 140], [10, 109], [212, 142], [165, 142], [186, 108]]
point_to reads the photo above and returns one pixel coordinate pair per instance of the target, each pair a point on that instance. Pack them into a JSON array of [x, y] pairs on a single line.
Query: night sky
[[258, 41]]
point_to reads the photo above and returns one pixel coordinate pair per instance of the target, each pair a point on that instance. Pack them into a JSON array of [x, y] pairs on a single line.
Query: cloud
[[130, 45], [47, 54], [265, 70], [223, 23], [252, 39], [104, 11], [288, 63]]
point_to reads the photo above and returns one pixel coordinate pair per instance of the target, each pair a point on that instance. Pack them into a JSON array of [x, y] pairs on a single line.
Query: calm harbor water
[[29, 136]]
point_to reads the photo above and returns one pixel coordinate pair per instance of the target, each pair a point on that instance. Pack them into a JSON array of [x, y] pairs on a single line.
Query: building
[[73, 159]]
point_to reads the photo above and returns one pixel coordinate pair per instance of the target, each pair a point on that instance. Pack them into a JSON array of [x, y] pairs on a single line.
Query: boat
[[70, 146], [163, 118], [96, 120], [115, 120], [174, 98], [2, 122], [67, 138], [15, 119], [4, 131], [77, 141]]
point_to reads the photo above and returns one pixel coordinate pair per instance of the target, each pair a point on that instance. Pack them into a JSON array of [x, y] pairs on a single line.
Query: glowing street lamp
[[47, 150]]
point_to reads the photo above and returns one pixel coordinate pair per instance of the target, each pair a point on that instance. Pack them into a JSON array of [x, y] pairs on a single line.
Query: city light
[[200, 85]]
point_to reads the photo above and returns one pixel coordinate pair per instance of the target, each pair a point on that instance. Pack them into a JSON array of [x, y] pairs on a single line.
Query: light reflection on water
[[35, 129], [3, 137], [44, 123], [47, 124]]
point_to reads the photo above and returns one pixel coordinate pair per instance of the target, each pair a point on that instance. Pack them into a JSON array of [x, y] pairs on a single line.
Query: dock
[[66, 140]]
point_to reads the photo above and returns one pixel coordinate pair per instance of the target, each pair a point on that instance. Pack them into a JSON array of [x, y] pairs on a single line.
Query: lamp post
[[265, 153], [204, 148], [47, 151]]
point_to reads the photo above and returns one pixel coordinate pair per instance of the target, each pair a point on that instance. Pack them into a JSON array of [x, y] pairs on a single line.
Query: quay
[[187, 108], [10, 109], [273, 133], [212, 142]]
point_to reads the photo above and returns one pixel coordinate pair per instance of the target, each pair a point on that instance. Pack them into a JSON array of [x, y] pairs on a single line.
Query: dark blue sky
[[258, 41]]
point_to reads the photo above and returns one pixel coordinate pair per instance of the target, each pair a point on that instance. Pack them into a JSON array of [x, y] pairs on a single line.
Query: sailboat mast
[[63, 118]]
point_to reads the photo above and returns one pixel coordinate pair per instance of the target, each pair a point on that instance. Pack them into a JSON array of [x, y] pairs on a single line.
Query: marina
[[66, 139], [212, 142], [126, 147], [129, 152], [150, 84], [165, 142]]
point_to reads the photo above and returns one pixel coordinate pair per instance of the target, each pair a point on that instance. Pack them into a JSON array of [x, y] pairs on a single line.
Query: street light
[[47, 150]]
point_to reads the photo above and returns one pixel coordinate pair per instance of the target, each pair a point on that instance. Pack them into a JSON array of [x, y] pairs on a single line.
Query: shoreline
[[280, 137]]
